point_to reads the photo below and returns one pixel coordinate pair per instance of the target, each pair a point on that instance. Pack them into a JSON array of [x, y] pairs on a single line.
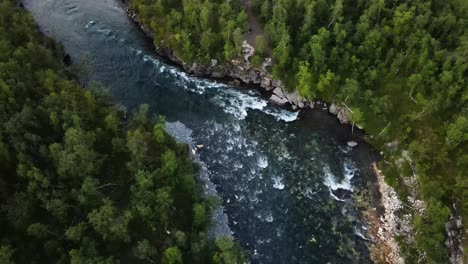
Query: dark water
[[278, 173]]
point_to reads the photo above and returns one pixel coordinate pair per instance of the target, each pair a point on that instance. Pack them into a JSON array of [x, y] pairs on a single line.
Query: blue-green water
[[280, 175]]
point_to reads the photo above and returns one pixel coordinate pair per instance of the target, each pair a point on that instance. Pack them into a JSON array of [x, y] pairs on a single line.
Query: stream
[[286, 179]]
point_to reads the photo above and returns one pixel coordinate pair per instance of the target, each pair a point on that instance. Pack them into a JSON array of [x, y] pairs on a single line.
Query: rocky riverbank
[[384, 223], [240, 72]]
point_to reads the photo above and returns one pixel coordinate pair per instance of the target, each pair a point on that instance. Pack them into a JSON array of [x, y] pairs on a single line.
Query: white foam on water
[[237, 103], [90, 24], [262, 162], [358, 233], [269, 217], [278, 183], [283, 115], [333, 183], [232, 101]]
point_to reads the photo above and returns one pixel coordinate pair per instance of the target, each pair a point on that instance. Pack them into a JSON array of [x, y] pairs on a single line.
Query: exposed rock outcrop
[[388, 226], [454, 229]]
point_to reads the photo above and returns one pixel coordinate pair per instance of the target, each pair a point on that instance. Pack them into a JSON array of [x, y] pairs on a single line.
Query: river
[[286, 179]]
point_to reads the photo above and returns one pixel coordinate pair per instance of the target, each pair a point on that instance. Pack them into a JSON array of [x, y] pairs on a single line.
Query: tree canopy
[[80, 180]]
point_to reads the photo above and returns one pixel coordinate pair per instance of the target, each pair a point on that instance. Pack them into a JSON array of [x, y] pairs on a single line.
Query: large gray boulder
[[296, 99], [279, 92], [274, 99], [266, 82]]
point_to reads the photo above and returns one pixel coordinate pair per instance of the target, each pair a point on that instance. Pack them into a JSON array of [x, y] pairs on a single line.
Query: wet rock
[[214, 62], [352, 144]]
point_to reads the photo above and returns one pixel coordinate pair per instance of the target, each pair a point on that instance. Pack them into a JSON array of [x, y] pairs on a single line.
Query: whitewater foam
[[262, 162], [334, 184], [90, 24], [278, 183]]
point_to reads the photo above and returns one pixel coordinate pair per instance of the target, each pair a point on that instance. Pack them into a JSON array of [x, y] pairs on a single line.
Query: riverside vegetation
[[80, 182], [400, 67]]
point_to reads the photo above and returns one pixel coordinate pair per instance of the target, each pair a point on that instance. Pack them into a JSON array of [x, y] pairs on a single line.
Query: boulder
[[266, 82], [214, 62], [333, 109], [257, 80], [279, 92], [253, 76], [296, 99], [218, 74], [274, 99], [244, 77], [352, 144]]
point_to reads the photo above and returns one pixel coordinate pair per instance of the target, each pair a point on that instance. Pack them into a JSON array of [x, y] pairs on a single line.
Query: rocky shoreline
[[384, 248], [241, 73], [384, 225]]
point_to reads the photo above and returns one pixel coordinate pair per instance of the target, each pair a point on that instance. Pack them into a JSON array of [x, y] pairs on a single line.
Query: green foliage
[[172, 255], [260, 45], [195, 30], [6, 254], [227, 252], [80, 182]]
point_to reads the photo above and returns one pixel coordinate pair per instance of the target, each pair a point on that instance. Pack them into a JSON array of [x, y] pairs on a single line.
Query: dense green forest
[[196, 30], [80, 182], [400, 66]]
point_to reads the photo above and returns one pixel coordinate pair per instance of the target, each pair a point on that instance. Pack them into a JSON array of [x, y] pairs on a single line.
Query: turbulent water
[[285, 178]]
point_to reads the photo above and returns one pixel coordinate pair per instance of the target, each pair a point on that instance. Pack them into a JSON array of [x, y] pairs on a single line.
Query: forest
[[82, 181], [399, 66]]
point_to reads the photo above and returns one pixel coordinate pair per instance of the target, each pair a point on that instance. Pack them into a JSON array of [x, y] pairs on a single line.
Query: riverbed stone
[[352, 144]]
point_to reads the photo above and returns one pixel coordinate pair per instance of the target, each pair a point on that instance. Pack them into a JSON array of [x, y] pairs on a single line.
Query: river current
[[285, 179]]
